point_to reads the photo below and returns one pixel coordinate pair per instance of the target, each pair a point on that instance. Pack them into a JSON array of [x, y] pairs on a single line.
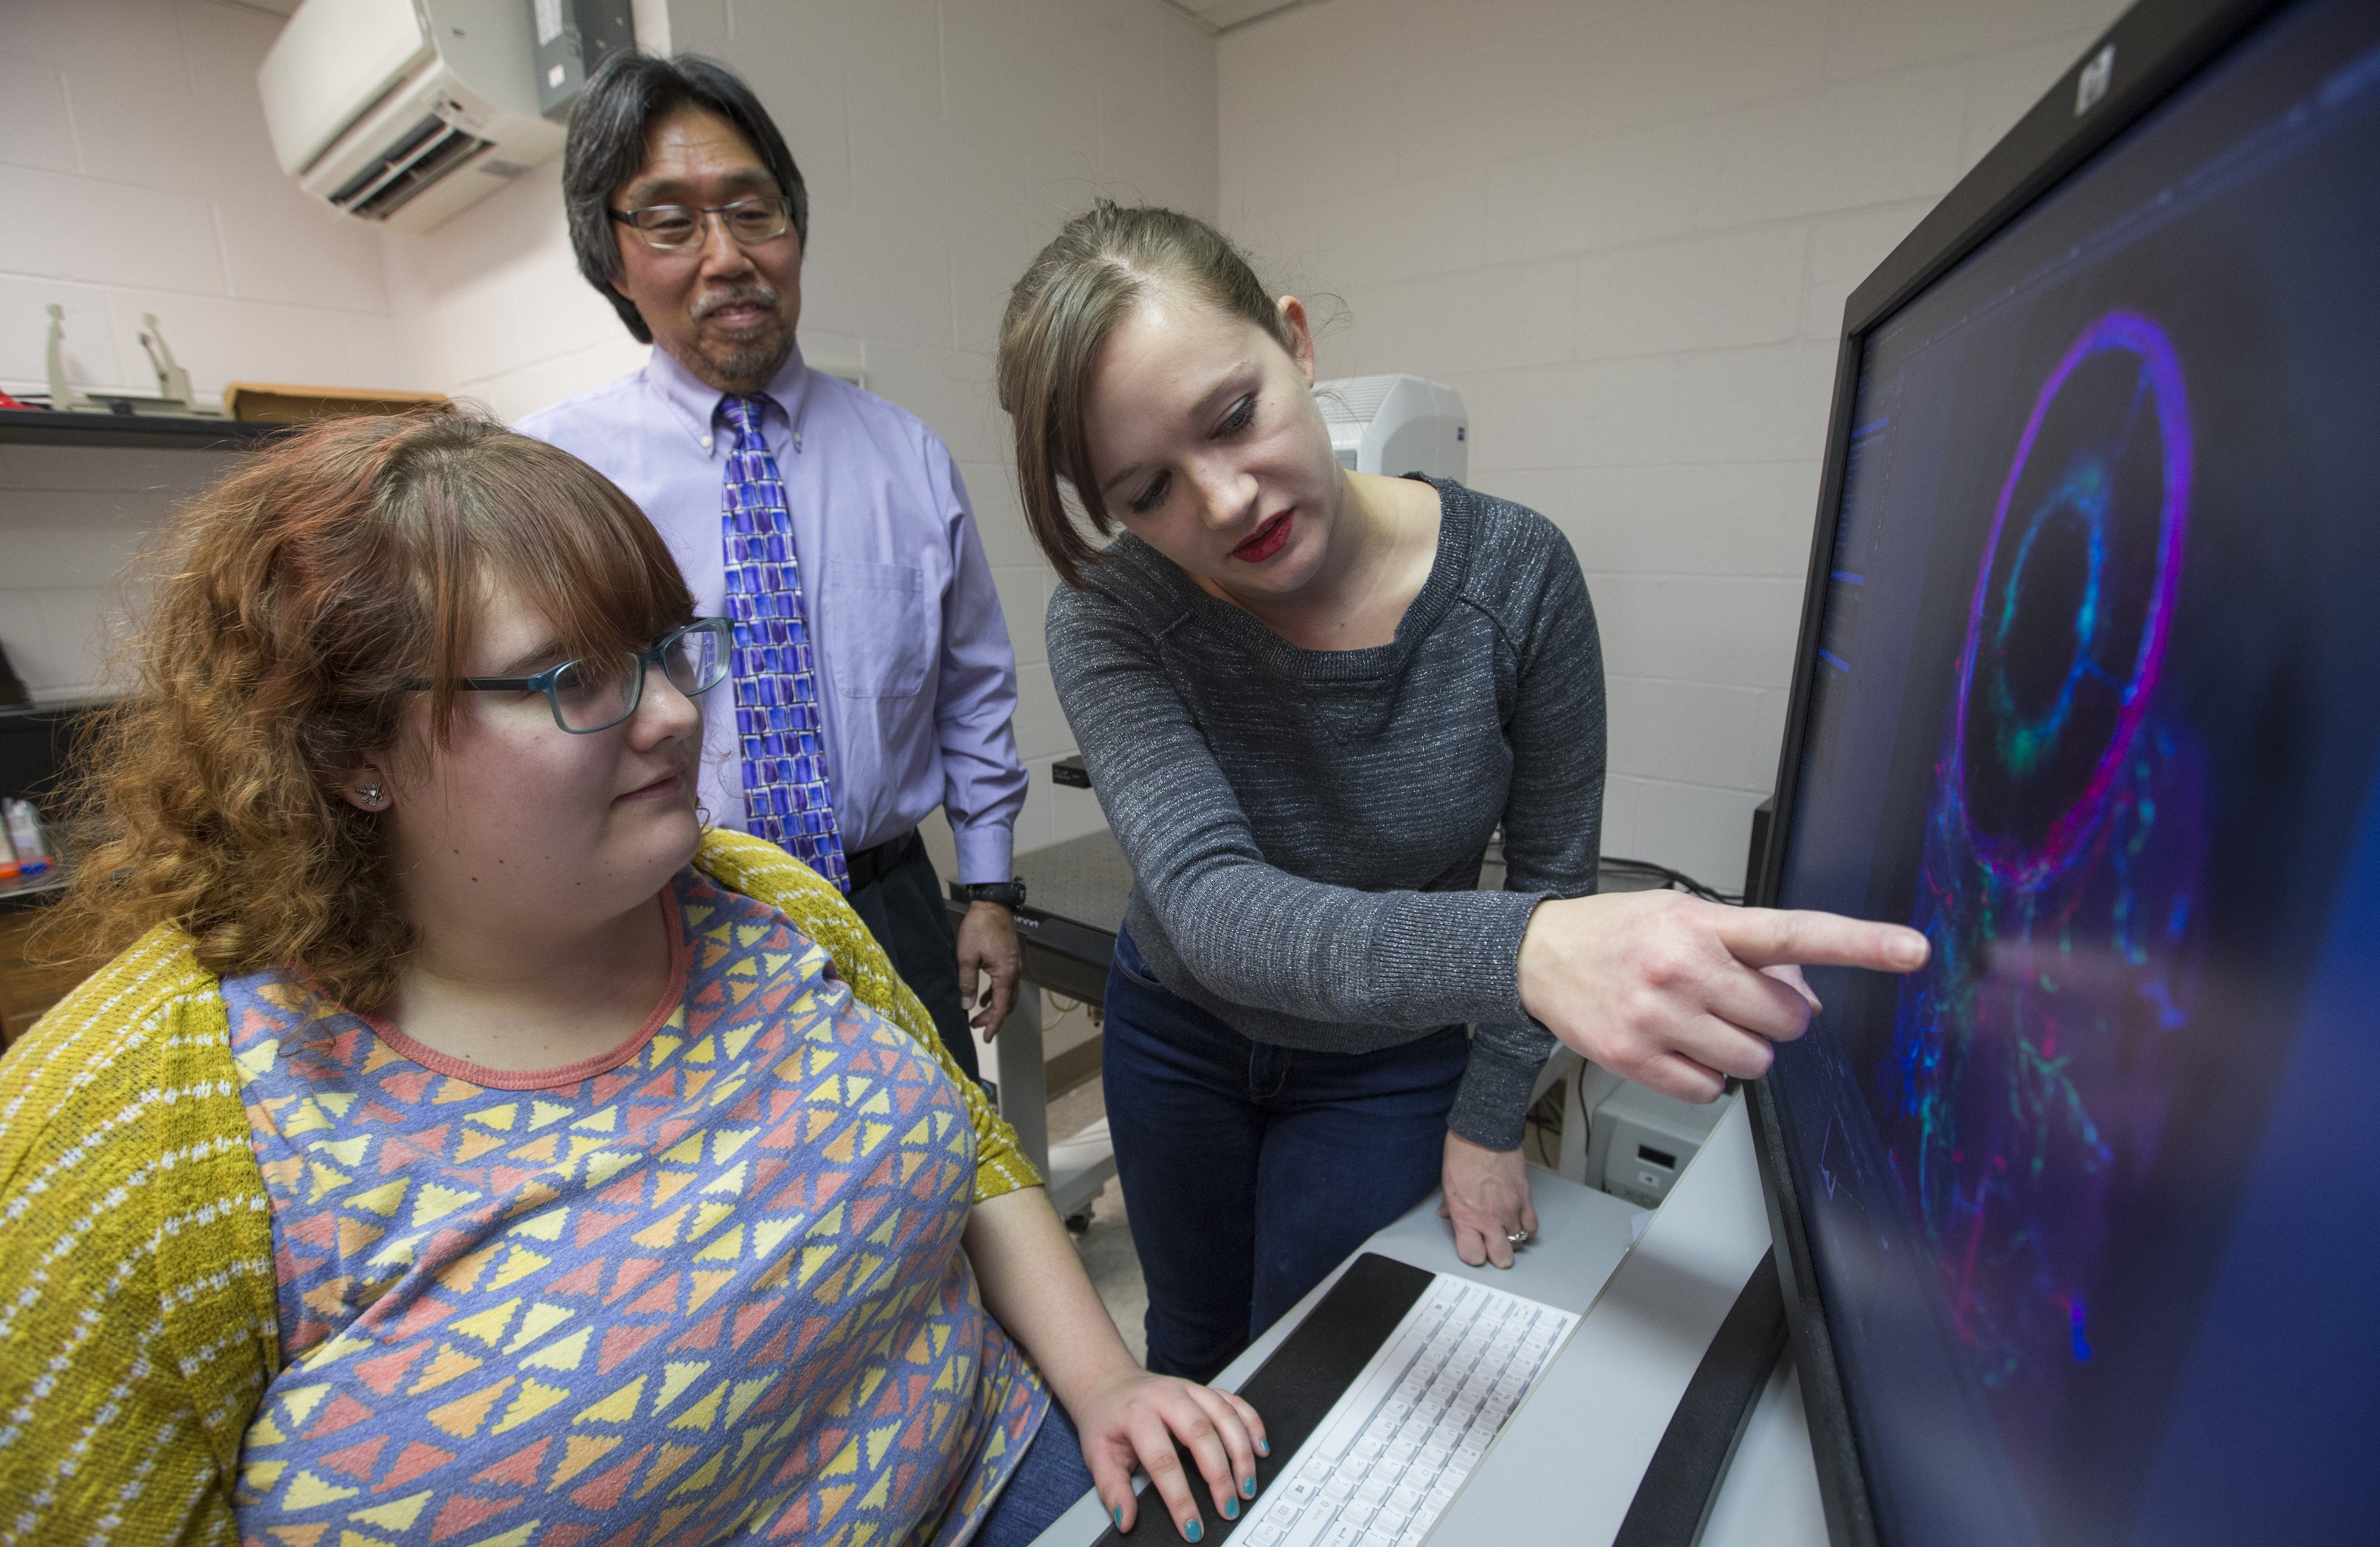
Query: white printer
[[1395, 425]]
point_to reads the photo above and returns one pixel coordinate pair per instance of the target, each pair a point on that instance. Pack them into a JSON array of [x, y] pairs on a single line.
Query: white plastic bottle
[[25, 834]]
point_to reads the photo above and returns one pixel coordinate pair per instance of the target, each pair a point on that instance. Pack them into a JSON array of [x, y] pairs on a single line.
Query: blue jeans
[[1044, 1486], [1248, 1169]]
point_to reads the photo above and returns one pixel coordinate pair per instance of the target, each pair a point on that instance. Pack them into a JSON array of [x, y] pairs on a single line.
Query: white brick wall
[[1626, 232], [70, 522], [137, 177], [943, 143]]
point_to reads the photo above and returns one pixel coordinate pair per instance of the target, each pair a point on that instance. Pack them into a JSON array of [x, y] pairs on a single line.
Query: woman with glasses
[[467, 1143]]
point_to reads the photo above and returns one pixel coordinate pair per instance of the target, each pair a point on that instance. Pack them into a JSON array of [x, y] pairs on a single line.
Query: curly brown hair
[[291, 607]]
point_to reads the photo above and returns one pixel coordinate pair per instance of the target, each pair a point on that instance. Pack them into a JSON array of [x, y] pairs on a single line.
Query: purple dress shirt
[[917, 679]]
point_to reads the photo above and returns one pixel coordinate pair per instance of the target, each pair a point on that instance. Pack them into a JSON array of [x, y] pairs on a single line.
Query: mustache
[[737, 295]]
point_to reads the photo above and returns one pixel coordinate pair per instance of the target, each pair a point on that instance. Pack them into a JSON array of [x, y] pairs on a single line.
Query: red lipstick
[[1265, 541]]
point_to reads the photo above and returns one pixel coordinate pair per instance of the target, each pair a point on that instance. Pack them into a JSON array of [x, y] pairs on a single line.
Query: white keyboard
[[1390, 1455]]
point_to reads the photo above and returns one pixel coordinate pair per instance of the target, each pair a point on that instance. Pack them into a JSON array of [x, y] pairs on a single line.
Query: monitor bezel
[[2158, 46]]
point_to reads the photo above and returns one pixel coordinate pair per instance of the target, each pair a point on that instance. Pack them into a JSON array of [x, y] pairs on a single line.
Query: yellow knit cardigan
[[137, 1324]]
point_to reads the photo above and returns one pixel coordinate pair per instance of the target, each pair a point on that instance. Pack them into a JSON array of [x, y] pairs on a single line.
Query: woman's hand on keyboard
[[1134, 1421], [1678, 994], [1486, 1200]]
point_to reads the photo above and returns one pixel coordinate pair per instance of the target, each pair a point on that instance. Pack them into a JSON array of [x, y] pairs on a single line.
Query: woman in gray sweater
[[1308, 698]]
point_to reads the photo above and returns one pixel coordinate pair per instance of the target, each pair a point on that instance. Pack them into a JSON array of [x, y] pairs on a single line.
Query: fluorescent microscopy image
[[2026, 1089], [2073, 599]]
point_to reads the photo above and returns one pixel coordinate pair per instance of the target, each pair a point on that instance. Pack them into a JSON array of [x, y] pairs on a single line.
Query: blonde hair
[[1103, 265], [294, 608]]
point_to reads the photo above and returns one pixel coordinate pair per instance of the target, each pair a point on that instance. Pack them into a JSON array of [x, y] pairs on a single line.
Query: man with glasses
[[871, 674]]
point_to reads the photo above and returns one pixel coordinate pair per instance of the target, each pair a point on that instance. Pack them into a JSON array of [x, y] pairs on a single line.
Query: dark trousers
[[904, 909], [1249, 1170]]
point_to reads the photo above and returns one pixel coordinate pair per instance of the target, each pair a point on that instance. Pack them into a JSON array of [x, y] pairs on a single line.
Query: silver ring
[[1516, 1238]]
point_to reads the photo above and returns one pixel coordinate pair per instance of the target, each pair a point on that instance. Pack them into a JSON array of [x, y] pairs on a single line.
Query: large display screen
[[2093, 1200]]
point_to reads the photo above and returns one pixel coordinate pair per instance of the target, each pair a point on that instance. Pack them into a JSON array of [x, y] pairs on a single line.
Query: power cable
[[1679, 880]]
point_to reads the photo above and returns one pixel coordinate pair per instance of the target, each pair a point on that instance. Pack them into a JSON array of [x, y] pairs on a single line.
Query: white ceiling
[[1215, 16], [1221, 16]]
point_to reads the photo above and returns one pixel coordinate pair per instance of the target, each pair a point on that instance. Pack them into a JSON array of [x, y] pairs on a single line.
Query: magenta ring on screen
[[2129, 331]]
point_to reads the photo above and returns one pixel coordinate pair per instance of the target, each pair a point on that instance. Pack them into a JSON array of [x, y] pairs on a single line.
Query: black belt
[[871, 865]]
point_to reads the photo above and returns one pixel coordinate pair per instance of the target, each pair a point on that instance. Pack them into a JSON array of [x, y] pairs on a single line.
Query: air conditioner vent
[[420, 156], [412, 141]]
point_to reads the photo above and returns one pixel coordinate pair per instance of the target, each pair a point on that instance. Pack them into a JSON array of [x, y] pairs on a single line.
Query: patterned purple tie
[[786, 799]]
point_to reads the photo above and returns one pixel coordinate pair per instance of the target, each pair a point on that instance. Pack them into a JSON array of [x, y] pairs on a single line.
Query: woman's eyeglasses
[[595, 695]]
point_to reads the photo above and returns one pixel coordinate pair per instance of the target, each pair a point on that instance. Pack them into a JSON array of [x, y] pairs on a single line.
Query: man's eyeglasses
[[595, 695], [675, 227]]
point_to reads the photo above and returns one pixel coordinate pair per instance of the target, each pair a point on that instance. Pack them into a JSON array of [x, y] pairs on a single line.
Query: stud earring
[[371, 796]]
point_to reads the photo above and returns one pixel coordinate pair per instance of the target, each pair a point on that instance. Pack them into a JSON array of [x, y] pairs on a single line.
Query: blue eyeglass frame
[[724, 629]]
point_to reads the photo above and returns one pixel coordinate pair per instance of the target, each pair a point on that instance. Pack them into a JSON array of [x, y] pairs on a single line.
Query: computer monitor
[[2079, 1225]]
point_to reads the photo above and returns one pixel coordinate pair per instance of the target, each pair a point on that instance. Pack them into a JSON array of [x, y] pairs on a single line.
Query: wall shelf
[[41, 427]]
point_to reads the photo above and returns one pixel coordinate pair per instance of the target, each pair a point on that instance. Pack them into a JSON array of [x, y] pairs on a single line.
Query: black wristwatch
[[1008, 894]]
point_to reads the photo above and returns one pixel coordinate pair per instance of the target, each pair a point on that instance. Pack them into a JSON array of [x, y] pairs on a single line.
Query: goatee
[[741, 365]]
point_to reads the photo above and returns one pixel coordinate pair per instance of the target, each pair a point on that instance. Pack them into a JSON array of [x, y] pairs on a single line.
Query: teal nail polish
[[1195, 1531], [1263, 1449], [1118, 1512], [1230, 1507], [1248, 1487]]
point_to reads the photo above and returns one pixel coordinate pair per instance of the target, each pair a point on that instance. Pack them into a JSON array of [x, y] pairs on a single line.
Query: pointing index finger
[[1783, 937]]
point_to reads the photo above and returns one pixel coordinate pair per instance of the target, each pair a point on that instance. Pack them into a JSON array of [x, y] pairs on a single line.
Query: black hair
[[606, 148]]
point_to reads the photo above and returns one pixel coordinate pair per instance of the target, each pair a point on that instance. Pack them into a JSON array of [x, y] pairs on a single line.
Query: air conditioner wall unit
[[403, 112]]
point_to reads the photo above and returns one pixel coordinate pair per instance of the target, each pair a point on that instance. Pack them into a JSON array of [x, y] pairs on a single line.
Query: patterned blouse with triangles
[[705, 1289]]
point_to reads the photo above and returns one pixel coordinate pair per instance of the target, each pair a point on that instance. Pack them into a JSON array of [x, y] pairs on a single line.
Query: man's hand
[[1488, 1200], [988, 949], [1677, 994]]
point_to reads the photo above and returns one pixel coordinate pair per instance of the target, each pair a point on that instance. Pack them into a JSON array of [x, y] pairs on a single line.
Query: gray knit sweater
[[1306, 827]]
